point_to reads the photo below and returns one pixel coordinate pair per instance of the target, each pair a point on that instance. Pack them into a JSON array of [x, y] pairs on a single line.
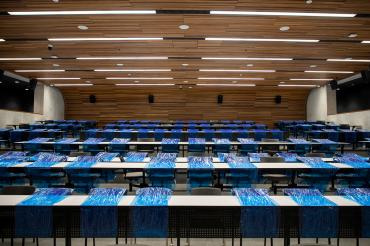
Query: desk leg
[[342, 148], [178, 241]]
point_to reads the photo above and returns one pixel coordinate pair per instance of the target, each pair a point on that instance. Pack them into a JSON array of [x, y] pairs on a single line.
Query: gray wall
[[321, 105], [48, 105]]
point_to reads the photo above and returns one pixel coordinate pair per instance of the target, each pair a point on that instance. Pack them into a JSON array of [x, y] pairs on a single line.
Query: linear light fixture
[[231, 85], [247, 58], [20, 59], [348, 60], [58, 78], [132, 70], [314, 71], [217, 78], [65, 85], [102, 39], [366, 42], [40, 70], [263, 13], [88, 12], [2, 40], [265, 40], [237, 70], [311, 79], [145, 84], [290, 85], [124, 58], [138, 78]]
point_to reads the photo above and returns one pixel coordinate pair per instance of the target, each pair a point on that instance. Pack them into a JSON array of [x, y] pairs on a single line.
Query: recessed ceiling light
[[2, 40], [56, 1], [101, 39], [145, 84], [89, 12], [311, 79], [217, 78], [308, 1], [249, 65], [1, 82], [137, 78], [366, 42], [87, 81], [312, 71], [352, 35], [313, 65], [263, 13], [290, 85], [136, 81], [129, 74], [124, 58], [41, 71], [56, 65], [184, 27], [235, 82], [185, 64], [185, 81], [20, 59], [247, 58], [120, 64], [348, 60], [17, 82], [236, 85], [132, 70], [237, 70], [265, 40], [58, 78], [83, 27], [54, 57], [61, 85], [190, 87], [26, 89], [284, 28], [282, 82], [338, 89]]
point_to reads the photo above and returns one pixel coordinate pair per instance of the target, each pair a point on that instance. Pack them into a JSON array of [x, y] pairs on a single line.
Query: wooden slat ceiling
[[26, 36]]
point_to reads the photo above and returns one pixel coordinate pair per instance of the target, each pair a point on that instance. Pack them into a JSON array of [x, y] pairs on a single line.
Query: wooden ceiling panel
[[26, 36]]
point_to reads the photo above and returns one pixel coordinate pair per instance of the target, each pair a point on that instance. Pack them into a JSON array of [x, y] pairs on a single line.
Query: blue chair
[[197, 145], [259, 134], [192, 133], [170, 145], [92, 133], [176, 133], [125, 133], [200, 178], [108, 134], [122, 149], [333, 135], [159, 134], [277, 134], [244, 149], [350, 137], [143, 133], [221, 147], [209, 134], [226, 133], [161, 178]]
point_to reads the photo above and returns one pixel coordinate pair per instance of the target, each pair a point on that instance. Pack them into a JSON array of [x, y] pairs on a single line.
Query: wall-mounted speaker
[[92, 99], [278, 99], [220, 99], [151, 99], [333, 84]]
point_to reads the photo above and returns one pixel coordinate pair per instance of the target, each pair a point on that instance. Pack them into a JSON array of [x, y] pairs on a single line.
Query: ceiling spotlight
[[190, 87], [184, 27], [313, 65], [185, 64], [282, 82], [1, 82], [352, 35], [284, 28], [56, 65], [249, 65], [136, 81], [26, 89], [185, 81], [82, 27], [56, 1], [54, 57], [87, 81], [17, 82], [235, 82], [120, 64], [308, 1]]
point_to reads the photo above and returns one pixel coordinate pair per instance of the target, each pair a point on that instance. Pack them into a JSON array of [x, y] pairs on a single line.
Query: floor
[[193, 242]]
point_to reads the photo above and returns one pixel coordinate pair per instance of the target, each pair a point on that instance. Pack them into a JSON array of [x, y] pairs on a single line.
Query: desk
[[188, 217]]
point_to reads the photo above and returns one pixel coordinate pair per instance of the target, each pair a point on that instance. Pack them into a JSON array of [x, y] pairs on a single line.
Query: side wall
[[321, 106], [49, 105]]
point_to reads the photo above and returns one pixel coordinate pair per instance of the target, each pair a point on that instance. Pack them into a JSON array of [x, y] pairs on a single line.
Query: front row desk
[[157, 213]]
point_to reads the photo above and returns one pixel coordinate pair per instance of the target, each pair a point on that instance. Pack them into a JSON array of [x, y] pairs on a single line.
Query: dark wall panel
[[16, 99]]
